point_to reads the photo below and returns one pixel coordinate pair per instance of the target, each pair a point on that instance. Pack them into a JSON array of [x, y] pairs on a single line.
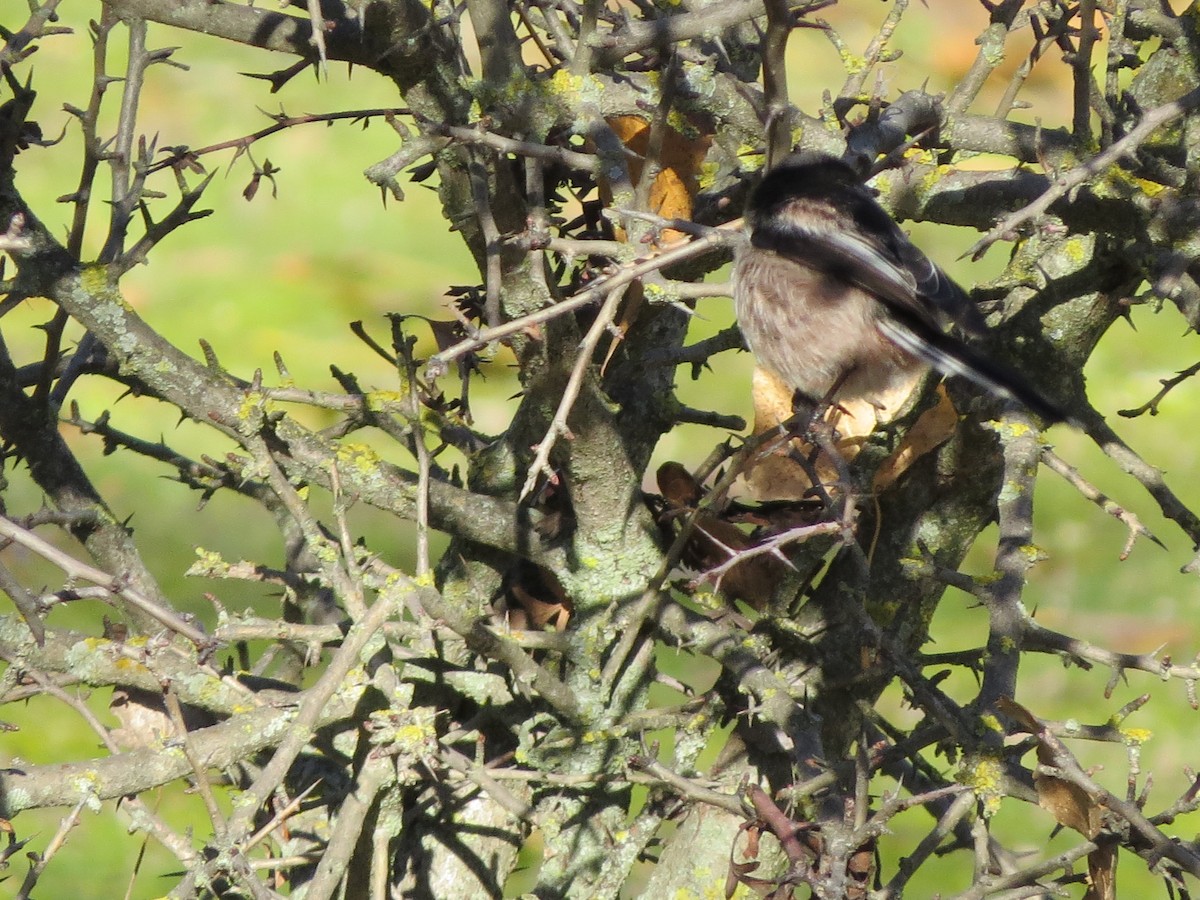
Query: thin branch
[[1168, 384], [991, 54], [493, 271], [670, 30], [29, 606], [199, 772], [1057, 464], [1064, 184], [676, 253], [145, 818], [376, 774], [467, 134], [774, 71], [19, 43], [583, 361], [772, 545], [179, 157], [853, 86], [687, 788], [1040, 639], [124, 197], [41, 860], [1081, 65], [74, 568], [483, 778], [490, 643], [309, 714], [1149, 477]]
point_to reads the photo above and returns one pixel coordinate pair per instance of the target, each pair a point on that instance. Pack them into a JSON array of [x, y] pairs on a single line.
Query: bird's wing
[[878, 257], [950, 300], [842, 254]]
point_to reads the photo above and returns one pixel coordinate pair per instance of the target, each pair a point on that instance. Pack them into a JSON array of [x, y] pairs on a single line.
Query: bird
[[836, 301]]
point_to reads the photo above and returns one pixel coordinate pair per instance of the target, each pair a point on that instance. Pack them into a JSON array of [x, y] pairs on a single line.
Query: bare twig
[[1057, 464], [1168, 384], [203, 785], [583, 361], [19, 43], [1082, 65], [29, 606], [853, 86], [774, 68], [73, 568], [772, 545], [317, 18], [1040, 639], [1149, 477], [145, 817], [180, 157], [1080, 175], [630, 272], [687, 787], [929, 844], [991, 53], [41, 860], [583, 162], [375, 775], [306, 718], [493, 273], [281, 816]]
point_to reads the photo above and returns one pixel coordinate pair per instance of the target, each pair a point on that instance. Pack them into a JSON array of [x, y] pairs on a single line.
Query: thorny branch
[[391, 725]]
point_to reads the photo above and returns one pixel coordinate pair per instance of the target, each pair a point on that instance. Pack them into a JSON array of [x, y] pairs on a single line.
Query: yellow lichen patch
[[1136, 736], [358, 457], [1032, 553], [384, 401], [125, 664], [985, 776], [992, 723]]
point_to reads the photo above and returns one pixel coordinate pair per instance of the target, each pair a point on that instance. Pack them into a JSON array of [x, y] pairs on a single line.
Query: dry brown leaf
[[671, 195], [677, 485], [1102, 873], [536, 599], [933, 428], [776, 474], [713, 539], [1069, 804], [678, 178]]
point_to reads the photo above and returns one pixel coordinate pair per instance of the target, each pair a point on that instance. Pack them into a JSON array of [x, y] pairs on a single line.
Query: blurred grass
[[288, 273]]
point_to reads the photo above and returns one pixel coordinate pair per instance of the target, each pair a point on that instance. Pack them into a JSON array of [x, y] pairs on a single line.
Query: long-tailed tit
[[834, 298]]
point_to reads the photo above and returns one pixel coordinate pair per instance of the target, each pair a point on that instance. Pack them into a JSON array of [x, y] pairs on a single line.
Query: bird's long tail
[[951, 356]]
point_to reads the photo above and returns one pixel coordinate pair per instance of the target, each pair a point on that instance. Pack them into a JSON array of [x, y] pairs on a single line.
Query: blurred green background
[[289, 273]]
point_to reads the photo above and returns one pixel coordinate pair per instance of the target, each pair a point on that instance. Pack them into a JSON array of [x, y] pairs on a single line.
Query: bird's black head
[[808, 174]]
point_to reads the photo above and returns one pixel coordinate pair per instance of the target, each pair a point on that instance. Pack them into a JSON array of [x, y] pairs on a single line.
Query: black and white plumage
[[831, 293]]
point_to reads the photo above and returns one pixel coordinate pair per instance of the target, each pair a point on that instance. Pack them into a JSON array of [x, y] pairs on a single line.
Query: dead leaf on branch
[[678, 179], [1102, 873], [715, 540], [534, 600], [933, 428], [777, 474], [671, 195], [1068, 802]]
